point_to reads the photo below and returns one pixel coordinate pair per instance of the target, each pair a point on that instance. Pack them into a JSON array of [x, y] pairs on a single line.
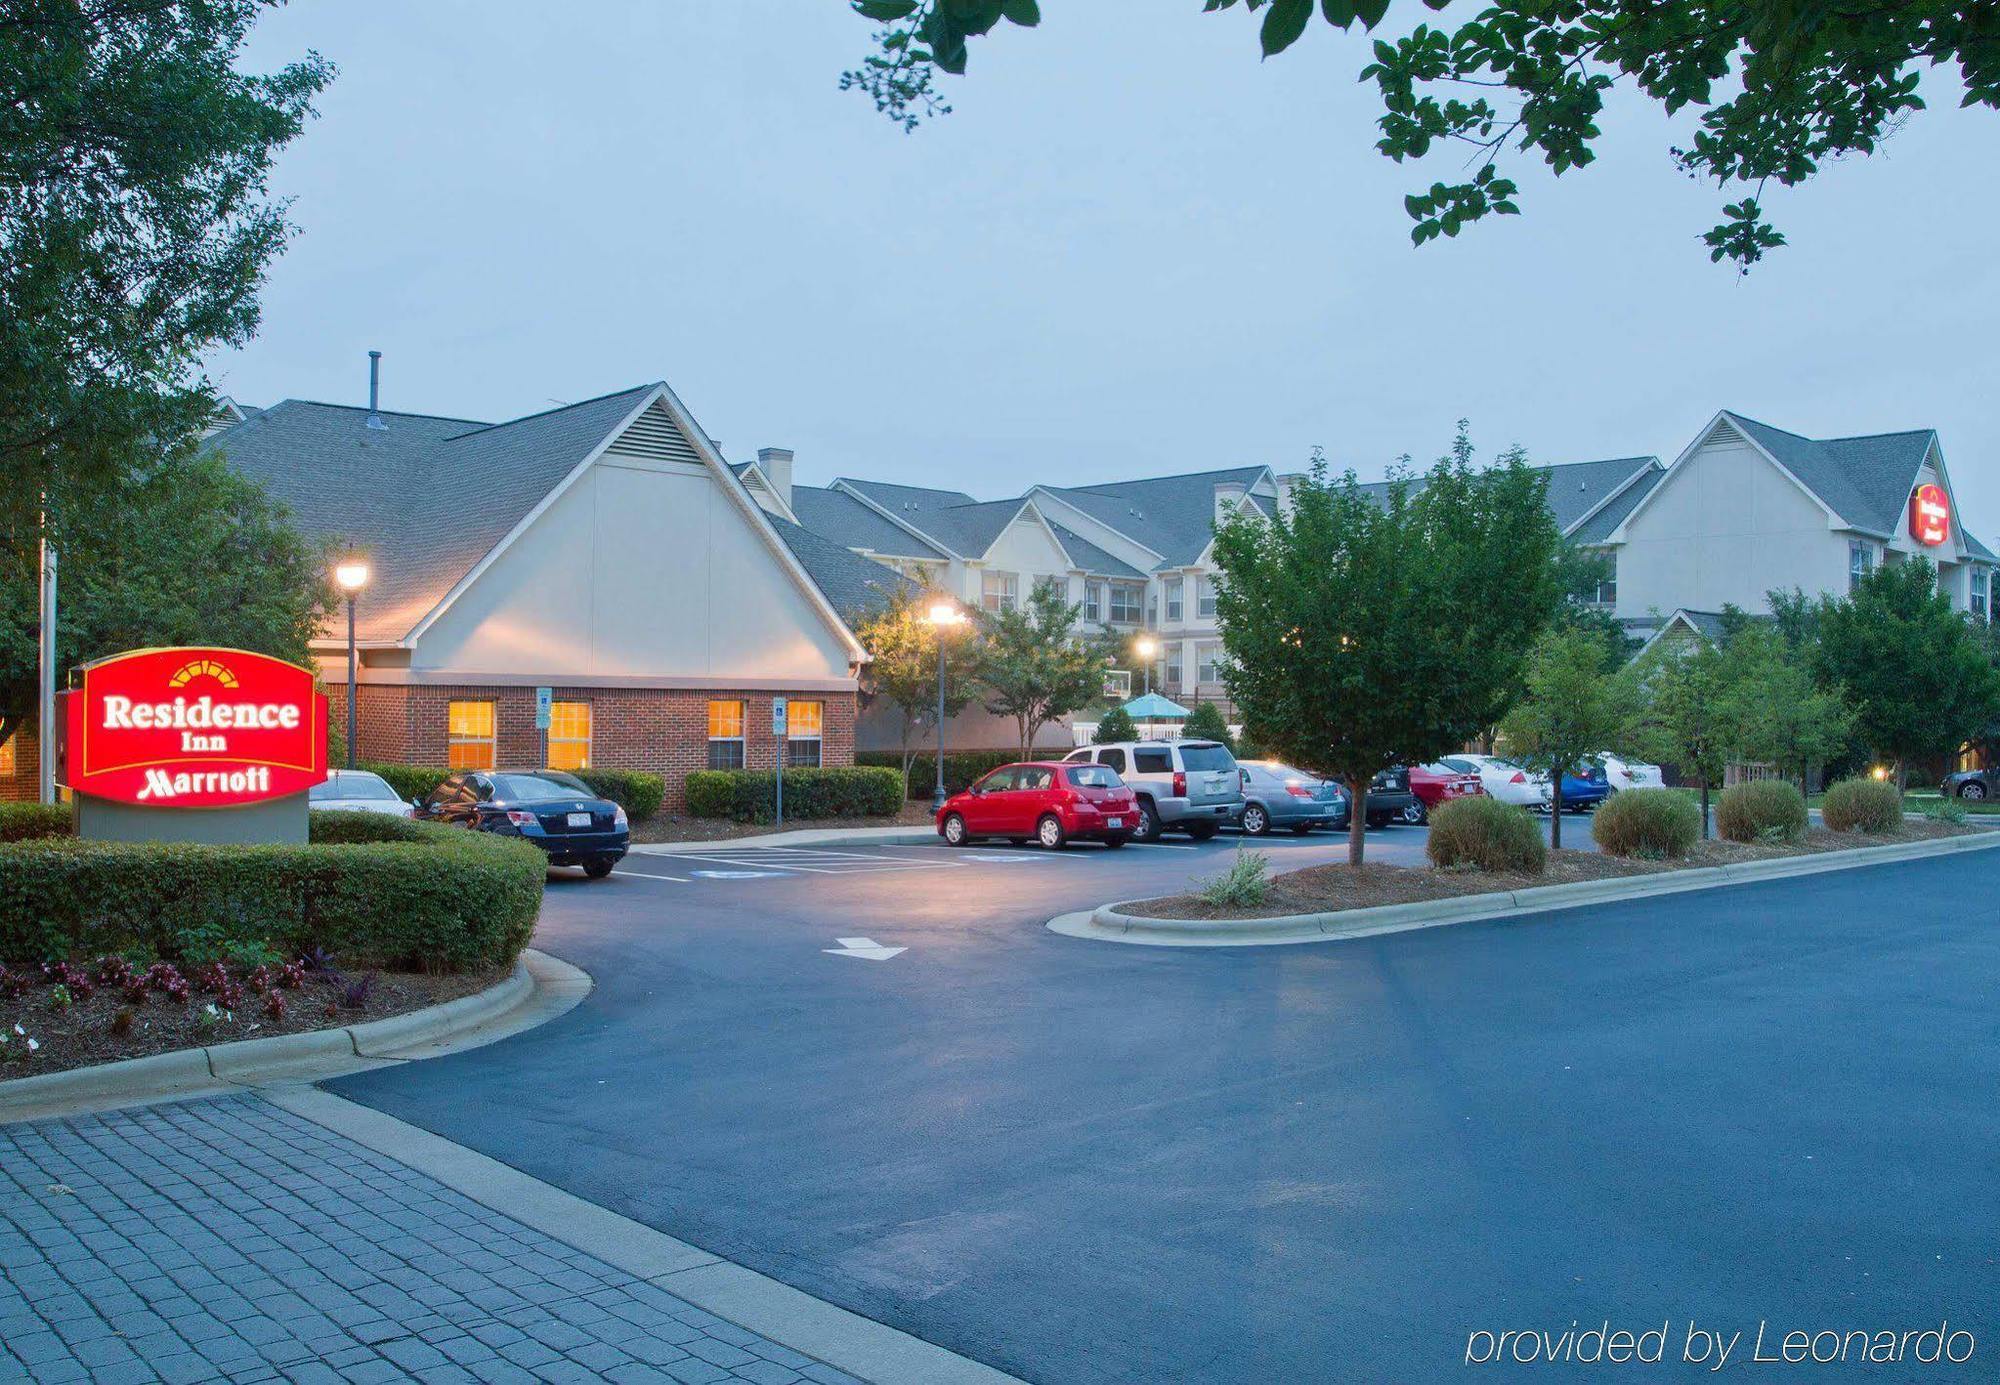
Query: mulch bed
[[83, 1032], [1326, 889], [667, 828]]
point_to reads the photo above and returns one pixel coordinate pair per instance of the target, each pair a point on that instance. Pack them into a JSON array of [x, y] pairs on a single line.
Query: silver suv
[[1191, 786]]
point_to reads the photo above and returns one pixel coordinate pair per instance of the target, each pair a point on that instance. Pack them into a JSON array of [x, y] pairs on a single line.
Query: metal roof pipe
[[375, 390]]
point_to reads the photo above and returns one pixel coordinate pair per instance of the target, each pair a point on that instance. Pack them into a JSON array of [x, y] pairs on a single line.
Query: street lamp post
[[944, 615], [1146, 647], [352, 575]]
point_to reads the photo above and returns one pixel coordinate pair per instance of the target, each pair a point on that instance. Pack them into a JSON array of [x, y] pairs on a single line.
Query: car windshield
[[1274, 770], [1460, 764], [1207, 755], [538, 788], [354, 785], [1094, 777]]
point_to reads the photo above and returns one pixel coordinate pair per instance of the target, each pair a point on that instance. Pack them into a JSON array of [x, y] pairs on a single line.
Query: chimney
[[1228, 494], [375, 390], [776, 464]]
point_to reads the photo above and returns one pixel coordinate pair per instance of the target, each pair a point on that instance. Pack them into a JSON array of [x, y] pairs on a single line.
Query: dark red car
[[1051, 802], [1435, 784]]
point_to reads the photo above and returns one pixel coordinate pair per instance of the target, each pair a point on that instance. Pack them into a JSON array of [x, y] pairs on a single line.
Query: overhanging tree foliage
[[185, 552], [134, 227], [1033, 668], [1777, 711], [902, 671], [1364, 633], [1780, 87]]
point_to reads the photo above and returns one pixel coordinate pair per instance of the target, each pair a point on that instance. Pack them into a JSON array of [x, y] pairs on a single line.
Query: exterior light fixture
[[944, 615], [351, 575]]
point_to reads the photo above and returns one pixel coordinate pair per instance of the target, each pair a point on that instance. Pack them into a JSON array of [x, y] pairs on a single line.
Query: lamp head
[[351, 574]]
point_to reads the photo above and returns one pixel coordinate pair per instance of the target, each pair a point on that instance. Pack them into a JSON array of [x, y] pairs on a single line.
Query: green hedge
[[961, 767], [638, 794], [1761, 810], [370, 889], [1657, 824], [834, 792], [1487, 834], [1862, 805], [20, 822]]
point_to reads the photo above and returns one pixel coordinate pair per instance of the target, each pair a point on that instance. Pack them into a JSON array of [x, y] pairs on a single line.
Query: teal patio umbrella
[[1151, 707]]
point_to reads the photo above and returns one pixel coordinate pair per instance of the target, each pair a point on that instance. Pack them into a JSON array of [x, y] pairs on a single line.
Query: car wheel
[[1299, 829], [954, 830], [1049, 832], [597, 870], [1117, 841], [1414, 815], [1146, 827], [1972, 789], [1256, 822], [1200, 831]]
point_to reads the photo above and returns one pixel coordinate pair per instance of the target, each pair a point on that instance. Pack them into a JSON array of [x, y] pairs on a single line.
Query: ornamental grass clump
[[1762, 810], [1243, 885], [1651, 824], [1481, 833], [1862, 805]]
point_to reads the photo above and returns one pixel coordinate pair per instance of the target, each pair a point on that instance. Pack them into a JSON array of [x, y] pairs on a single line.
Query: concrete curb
[[308, 1057], [777, 1312], [829, 836], [1109, 923]]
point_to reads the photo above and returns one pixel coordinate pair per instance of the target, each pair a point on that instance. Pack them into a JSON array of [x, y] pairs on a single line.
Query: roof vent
[[375, 390]]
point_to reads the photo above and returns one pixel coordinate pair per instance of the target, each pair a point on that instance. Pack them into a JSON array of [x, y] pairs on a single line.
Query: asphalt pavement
[[875, 1075]]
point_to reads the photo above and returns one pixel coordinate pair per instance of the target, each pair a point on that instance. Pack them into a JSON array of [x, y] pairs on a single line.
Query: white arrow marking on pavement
[[863, 947]]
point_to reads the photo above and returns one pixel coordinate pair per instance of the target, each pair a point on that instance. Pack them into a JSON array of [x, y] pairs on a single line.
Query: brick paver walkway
[[228, 1239]]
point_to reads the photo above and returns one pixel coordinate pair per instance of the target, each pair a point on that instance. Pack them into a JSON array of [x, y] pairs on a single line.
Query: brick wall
[[23, 785], [661, 731]]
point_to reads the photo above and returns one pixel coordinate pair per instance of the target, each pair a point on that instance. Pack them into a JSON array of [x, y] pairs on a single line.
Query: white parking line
[[647, 875]]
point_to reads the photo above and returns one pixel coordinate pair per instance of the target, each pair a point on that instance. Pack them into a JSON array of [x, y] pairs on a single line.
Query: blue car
[[1584, 787]]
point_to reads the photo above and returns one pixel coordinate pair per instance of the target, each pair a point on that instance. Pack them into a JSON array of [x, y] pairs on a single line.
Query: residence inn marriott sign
[[155, 732]]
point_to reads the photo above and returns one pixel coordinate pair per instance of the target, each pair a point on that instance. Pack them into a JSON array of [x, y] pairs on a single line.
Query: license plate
[[579, 819], [1114, 822]]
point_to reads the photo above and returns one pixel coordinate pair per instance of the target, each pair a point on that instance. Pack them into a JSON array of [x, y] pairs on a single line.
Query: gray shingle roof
[[1172, 515], [1576, 488], [856, 586], [1092, 559], [1864, 480], [1597, 528], [840, 517]]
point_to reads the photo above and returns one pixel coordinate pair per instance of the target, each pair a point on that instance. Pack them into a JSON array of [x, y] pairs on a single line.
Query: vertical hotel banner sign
[[194, 728]]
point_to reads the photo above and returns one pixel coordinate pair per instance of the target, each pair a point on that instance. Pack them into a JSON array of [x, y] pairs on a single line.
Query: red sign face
[[1930, 515], [194, 728]]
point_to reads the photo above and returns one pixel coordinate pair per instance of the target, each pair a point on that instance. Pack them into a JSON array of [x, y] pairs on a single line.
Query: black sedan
[[1390, 799], [556, 811], [1972, 784]]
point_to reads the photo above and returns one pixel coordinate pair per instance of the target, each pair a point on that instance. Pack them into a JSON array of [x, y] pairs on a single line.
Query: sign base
[[273, 820]]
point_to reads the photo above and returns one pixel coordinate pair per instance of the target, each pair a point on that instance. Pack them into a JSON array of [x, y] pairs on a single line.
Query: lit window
[[1173, 585], [804, 724], [7, 754], [1204, 601], [1126, 601], [569, 735], [725, 735], [1982, 591], [1860, 562], [469, 735], [999, 591]]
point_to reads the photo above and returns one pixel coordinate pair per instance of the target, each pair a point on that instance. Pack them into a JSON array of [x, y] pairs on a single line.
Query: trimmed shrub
[[372, 890], [1946, 809], [961, 767], [1243, 885], [1657, 824], [1761, 810], [24, 822], [1205, 723], [839, 791], [638, 794], [1486, 834], [1116, 725], [1862, 805]]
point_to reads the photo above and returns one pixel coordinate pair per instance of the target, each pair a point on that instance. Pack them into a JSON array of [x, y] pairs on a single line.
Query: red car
[[1435, 784], [1050, 802]]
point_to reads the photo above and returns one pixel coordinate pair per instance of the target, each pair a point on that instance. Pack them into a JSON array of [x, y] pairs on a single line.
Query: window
[[1170, 659], [1000, 781], [999, 591], [1202, 756], [1204, 601], [7, 754], [1034, 778], [1094, 777], [1173, 586], [804, 722], [469, 735], [1208, 658], [725, 735], [1093, 601], [1112, 759], [1153, 760], [1860, 562], [1126, 601], [1607, 585], [569, 735], [1981, 606]]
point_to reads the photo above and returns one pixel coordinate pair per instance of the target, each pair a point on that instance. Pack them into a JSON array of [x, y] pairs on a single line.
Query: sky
[[1132, 249]]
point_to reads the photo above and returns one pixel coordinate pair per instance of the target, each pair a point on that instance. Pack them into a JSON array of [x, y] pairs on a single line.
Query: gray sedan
[[1276, 795]]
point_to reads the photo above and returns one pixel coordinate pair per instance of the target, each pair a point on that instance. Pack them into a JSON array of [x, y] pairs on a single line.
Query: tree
[[1364, 633], [1776, 711], [1572, 708], [188, 552], [1781, 88], [1117, 725], [1683, 714], [1034, 668], [903, 646], [1204, 722], [1913, 669], [134, 229]]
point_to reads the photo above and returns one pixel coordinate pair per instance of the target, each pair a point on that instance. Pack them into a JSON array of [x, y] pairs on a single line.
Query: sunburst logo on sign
[[202, 668]]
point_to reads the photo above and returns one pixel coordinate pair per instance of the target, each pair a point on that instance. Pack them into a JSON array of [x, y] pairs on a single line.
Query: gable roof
[[844, 520], [1089, 557], [1171, 515], [856, 586], [1596, 526], [1864, 480], [1582, 494], [955, 523]]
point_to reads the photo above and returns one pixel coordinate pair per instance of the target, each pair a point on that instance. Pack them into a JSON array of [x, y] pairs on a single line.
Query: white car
[[1502, 779], [1630, 774], [358, 791]]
